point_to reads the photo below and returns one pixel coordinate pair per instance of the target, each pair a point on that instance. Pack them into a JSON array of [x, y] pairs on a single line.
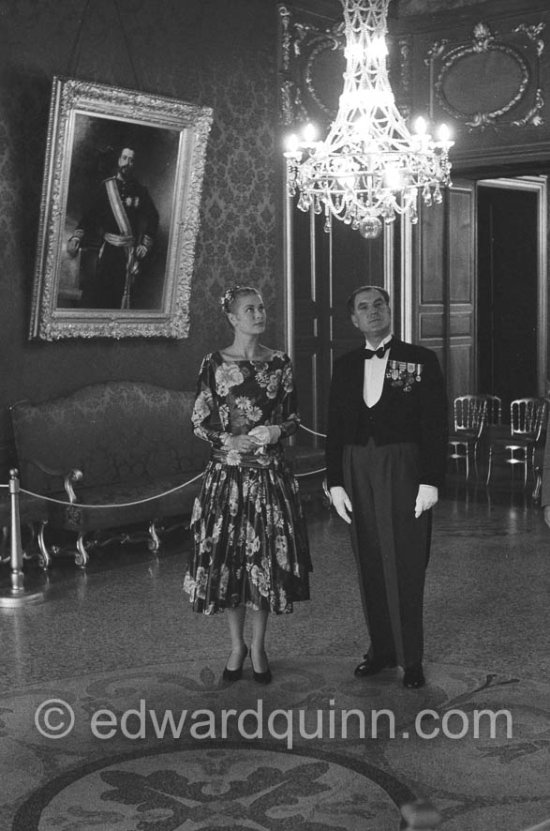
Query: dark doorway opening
[[507, 292]]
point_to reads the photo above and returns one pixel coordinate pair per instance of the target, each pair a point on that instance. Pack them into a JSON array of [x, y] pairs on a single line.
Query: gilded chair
[[494, 410], [527, 425], [470, 418]]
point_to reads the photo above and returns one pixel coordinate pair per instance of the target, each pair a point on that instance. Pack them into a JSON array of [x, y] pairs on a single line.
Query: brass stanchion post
[[17, 595]]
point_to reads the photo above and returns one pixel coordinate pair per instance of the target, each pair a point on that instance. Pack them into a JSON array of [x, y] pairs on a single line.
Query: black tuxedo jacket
[[412, 408]]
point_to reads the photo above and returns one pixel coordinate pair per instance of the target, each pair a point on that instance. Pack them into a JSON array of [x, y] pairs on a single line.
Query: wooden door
[[443, 304], [326, 269]]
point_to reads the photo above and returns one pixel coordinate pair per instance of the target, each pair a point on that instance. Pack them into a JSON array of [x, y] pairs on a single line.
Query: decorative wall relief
[[311, 68], [491, 81]]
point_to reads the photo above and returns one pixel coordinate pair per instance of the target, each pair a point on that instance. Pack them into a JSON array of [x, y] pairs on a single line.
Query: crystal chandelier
[[370, 167]]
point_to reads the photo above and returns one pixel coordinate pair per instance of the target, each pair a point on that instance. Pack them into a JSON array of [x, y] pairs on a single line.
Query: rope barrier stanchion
[[17, 595]]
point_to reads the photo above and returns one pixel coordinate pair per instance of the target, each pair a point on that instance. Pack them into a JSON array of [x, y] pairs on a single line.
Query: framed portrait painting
[[119, 213]]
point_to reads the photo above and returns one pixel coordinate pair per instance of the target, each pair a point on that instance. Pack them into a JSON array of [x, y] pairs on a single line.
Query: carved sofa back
[[117, 431], [131, 440]]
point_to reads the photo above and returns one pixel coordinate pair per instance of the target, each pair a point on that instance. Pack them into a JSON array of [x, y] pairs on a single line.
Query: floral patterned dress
[[250, 537]]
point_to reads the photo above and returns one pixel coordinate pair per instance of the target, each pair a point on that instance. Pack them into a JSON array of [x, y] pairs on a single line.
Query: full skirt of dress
[[250, 539]]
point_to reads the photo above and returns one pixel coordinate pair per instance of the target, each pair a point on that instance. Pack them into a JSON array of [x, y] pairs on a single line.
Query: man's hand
[[73, 246], [426, 498], [341, 502], [140, 252], [547, 514]]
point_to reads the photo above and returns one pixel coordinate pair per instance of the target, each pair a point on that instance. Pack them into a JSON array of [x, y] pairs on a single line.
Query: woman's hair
[[231, 294]]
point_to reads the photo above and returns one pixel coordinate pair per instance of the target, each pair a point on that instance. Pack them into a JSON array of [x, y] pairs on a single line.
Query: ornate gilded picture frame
[[119, 213]]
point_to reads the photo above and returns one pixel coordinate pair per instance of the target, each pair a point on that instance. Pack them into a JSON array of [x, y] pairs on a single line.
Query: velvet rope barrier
[[114, 504], [320, 469], [148, 498], [313, 432]]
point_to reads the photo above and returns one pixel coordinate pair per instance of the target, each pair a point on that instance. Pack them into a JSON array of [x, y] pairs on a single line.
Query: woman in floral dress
[[250, 541]]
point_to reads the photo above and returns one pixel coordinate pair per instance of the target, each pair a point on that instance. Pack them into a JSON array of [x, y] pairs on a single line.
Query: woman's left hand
[[266, 434]]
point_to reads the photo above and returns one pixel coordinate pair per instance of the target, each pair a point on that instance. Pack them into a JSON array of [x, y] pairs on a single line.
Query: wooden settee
[[112, 455]]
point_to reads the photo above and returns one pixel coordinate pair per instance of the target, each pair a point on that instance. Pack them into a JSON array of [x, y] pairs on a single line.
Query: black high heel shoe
[[235, 674], [261, 677]]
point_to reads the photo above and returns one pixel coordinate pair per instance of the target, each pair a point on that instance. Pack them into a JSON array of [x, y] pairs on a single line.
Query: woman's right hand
[[242, 444]]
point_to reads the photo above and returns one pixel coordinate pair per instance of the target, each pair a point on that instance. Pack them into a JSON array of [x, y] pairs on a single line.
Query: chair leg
[[153, 543], [532, 463], [538, 485], [476, 470], [44, 557], [489, 466], [81, 556], [5, 535]]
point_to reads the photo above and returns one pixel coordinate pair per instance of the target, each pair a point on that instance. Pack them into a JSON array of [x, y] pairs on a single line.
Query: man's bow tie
[[380, 352]]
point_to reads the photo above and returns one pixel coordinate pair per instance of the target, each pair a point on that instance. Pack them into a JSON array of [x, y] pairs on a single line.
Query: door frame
[[539, 186]]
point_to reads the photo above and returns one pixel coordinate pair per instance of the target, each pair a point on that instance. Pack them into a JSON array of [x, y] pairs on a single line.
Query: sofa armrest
[[74, 475]]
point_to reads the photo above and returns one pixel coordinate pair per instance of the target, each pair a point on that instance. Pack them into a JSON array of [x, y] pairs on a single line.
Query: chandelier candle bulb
[[370, 167], [292, 146], [310, 134], [444, 135], [420, 126]]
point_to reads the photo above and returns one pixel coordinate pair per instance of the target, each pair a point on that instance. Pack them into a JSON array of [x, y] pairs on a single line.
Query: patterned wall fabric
[[217, 53]]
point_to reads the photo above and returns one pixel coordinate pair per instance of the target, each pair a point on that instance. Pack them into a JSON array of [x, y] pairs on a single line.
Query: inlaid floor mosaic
[[173, 747], [114, 714]]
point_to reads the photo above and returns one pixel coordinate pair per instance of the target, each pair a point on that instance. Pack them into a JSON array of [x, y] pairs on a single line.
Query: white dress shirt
[[373, 383], [374, 374]]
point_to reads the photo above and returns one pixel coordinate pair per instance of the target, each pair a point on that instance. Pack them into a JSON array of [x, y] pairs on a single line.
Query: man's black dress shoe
[[372, 665], [414, 677]]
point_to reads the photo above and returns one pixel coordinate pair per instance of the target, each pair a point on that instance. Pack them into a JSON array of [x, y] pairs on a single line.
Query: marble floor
[[120, 630]]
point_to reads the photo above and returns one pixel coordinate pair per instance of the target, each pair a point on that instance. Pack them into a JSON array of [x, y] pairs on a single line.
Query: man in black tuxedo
[[386, 455]]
